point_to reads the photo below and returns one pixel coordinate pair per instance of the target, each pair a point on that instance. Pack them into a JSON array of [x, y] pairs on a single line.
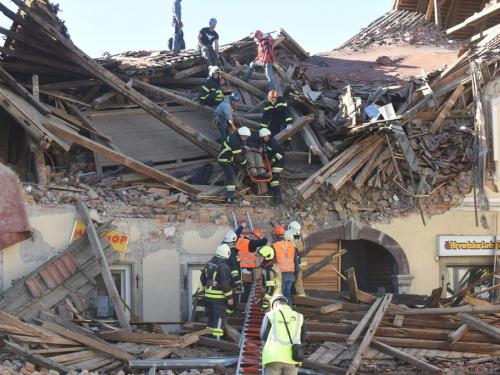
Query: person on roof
[[206, 38], [255, 163], [178, 38], [211, 93], [271, 276], [231, 154], [264, 59], [247, 248], [276, 156], [216, 279], [287, 261], [277, 116], [223, 116]]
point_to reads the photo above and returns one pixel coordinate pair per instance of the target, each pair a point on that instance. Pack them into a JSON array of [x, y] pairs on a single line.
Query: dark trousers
[[228, 169], [178, 38], [216, 316], [210, 56]]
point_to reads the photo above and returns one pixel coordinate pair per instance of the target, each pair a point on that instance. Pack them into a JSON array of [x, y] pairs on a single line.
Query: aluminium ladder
[[247, 220]]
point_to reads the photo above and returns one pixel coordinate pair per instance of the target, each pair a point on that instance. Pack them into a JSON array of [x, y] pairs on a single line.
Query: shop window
[[459, 277], [194, 273], [100, 304]]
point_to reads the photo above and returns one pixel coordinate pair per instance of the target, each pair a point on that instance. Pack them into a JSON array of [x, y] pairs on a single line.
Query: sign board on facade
[[117, 240], [465, 245]]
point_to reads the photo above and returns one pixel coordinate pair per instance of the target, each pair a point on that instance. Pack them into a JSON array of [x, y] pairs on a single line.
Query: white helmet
[[230, 237], [288, 236], [223, 251], [264, 132], [244, 131], [278, 297], [213, 69], [295, 228]]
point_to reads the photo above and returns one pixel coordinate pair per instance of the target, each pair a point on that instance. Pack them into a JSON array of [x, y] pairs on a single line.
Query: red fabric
[[263, 56], [14, 224]]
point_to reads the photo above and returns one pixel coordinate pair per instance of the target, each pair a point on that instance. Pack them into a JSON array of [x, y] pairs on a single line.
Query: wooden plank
[[220, 344], [246, 86], [435, 298], [103, 98], [129, 162], [35, 358], [477, 323], [103, 265], [352, 284], [297, 125], [309, 271], [363, 323], [232, 332], [7, 318], [106, 349], [458, 334], [190, 71], [330, 308], [131, 336], [447, 310], [405, 357], [446, 109], [329, 369], [476, 18]]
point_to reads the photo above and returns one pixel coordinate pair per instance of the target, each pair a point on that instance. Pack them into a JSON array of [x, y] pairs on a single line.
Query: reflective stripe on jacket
[[270, 283], [247, 258], [285, 253], [278, 347], [216, 278]]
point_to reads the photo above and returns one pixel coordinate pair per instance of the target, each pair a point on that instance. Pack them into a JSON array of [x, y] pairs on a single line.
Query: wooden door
[[326, 278]]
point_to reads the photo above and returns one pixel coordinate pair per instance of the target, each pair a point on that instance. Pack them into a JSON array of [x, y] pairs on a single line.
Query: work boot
[[230, 201], [277, 201], [288, 145]]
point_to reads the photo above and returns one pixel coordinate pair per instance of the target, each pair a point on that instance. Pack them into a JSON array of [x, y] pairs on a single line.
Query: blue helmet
[[235, 96], [213, 20]]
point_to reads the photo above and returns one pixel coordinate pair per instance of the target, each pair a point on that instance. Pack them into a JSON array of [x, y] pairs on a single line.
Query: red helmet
[[257, 33], [257, 233], [279, 230], [273, 94]]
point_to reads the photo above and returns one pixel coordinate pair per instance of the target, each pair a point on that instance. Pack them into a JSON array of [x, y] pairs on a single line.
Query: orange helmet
[[279, 230], [273, 94], [257, 233]]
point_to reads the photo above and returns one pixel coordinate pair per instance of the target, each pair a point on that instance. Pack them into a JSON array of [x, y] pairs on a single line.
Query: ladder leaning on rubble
[[250, 358], [238, 222]]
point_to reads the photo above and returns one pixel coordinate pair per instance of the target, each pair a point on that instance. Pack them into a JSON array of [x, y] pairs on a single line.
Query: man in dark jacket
[[276, 156], [234, 265], [276, 115], [231, 154], [211, 93], [216, 278]]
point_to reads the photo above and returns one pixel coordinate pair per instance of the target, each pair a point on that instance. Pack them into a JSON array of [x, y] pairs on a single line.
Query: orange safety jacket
[[247, 259], [285, 254]]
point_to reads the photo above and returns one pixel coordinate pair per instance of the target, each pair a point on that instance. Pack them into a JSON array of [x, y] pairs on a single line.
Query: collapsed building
[[392, 174]]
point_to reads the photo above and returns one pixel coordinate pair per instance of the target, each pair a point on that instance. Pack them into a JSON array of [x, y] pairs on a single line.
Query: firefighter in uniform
[[216, 278], [276, 156], [211, 93], [232, 153], [277, 352], [247, 248], [300, 244], [271, 276], [234, 265], [276, 113], [286, 260]]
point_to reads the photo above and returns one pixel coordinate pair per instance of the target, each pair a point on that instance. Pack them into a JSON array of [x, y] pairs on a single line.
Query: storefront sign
[[118, 241], [465, 245]]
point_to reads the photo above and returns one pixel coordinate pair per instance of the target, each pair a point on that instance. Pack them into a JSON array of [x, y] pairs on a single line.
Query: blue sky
[[117, 26]]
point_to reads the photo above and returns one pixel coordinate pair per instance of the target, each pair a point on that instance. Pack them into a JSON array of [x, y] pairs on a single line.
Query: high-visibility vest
[[278, 347], [247, 258], [285, 253]]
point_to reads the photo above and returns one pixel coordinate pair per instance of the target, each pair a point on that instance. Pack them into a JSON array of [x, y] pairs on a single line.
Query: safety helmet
[[257, 33], [257, 233], [244, 131], [279, 230], [295, 227], [235, 96], [276, 298], [273, 94], [288, 236], [214, 69], [223, 251], [230, 237], [267, 252], [213, 20], [264, 132]]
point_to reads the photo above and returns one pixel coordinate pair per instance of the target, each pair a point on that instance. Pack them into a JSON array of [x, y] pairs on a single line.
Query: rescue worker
[[223, 115], [216, 278], [277, 352], [277, 116], [247, 248], [178, 38], [255, 163], [271, 276], [276, 156], [286, 260], [206, 38], [230, 154], [211, 92], [296, 229], [234, 264], [264, 59]]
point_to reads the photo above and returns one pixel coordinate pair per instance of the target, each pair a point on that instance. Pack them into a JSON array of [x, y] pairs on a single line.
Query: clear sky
[[117, 26]]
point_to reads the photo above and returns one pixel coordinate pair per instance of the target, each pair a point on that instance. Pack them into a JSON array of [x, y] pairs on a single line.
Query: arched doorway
[[381, 264]]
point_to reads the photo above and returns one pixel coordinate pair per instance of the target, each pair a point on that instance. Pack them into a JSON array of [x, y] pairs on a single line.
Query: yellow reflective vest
[[278, 347]]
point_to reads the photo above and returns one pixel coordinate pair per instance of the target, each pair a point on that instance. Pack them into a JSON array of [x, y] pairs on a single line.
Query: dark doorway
[[373, 264]]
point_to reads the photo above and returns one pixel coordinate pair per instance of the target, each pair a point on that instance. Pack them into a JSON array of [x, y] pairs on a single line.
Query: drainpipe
[[182, 363]]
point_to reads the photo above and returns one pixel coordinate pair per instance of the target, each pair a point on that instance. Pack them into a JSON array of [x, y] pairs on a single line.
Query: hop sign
[[117, 240]]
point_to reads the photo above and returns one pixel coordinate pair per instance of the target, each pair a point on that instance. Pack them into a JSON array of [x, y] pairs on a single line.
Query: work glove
[[180, 23], [289, 127]]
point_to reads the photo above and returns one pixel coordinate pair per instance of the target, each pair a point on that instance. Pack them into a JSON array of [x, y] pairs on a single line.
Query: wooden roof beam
[[478, 18]]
